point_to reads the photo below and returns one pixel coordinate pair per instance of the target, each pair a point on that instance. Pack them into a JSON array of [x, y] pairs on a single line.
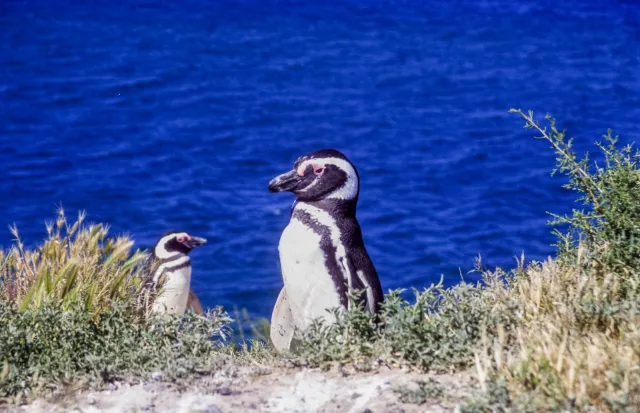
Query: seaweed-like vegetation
[[558, 335]]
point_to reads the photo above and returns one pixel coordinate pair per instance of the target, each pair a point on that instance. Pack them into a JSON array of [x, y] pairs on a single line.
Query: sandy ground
[[271, 391]]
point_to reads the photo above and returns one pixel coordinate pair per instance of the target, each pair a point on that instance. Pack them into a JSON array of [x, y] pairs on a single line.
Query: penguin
[[322, 253], [173, 273]]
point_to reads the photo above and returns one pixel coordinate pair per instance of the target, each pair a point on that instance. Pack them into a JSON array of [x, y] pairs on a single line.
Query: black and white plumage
[[173, 273], [322, 254]]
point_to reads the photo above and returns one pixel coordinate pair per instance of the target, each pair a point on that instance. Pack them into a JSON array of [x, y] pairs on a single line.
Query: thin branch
[[565, 152]]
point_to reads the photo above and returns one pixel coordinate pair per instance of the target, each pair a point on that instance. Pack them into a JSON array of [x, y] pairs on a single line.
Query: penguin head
[[176, 243], [324, 174]]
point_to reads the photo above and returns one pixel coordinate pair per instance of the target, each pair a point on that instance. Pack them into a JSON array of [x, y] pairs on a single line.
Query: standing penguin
[[322, 254], [171, 252]]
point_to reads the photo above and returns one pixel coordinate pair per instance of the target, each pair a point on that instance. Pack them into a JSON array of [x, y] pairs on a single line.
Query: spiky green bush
[[608, 226]]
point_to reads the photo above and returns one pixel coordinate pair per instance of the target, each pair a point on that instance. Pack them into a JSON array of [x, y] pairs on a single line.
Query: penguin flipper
[[363, 277], [282, 324], [355, 281], [193, 303]]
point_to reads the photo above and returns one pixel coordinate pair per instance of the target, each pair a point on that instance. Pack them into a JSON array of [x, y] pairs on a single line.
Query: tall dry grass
[[76, 265], [576, 345]]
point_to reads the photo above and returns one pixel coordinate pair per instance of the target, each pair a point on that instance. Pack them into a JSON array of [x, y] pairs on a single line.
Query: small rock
[[212, 409], [367, 411], [225, 391], [157, 376]]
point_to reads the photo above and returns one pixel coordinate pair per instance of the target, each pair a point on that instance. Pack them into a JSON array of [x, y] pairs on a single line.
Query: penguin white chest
[[307, 280], [175, 292]]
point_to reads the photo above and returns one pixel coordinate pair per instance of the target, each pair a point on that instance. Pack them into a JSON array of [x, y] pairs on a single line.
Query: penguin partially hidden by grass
[[322, 254], [174, 273]]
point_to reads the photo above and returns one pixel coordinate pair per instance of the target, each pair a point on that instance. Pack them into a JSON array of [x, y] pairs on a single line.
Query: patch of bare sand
[[271, 391]]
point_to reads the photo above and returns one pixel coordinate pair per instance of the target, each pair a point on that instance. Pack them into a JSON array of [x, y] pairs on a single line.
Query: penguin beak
[[285, 182], [196, 242]]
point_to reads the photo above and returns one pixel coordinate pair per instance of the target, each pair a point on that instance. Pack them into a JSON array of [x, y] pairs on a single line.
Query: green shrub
[[608, 228], [439, 331], [48, 347]]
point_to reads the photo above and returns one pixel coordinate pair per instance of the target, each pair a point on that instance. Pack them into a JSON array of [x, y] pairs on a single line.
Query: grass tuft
[[77, 265]]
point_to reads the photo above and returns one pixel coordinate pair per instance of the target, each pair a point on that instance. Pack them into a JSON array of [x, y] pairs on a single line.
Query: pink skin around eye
[[317, 169], [180, 239]]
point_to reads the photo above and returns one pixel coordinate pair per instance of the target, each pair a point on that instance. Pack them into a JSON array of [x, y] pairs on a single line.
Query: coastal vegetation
[[558, 335]]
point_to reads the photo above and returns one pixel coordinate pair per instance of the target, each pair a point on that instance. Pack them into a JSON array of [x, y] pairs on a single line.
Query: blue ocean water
[[158, 115]]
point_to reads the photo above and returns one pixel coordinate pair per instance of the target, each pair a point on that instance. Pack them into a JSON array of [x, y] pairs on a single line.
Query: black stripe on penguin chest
[[168, 269], [330, 253], [179, 267]]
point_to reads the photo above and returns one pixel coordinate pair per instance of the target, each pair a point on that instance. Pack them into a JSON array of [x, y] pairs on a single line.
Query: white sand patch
[[281, 391]]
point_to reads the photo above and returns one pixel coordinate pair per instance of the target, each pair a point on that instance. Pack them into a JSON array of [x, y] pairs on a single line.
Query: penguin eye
[[317, 169], [180, 239]]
